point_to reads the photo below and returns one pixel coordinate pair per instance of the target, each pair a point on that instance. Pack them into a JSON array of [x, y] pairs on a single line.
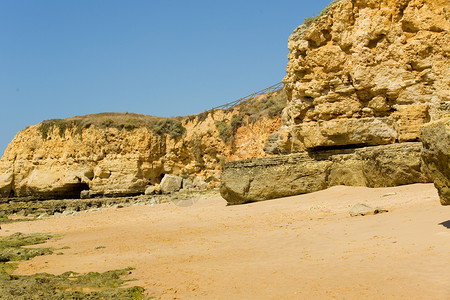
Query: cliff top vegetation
[[269, 105]]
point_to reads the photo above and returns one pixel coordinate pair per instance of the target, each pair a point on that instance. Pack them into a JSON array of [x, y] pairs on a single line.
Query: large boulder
[[305, 172], [171, 183], [436, 155], [273, 177]]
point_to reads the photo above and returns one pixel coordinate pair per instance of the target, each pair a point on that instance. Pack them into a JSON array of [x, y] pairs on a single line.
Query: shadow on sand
[[446, 224]]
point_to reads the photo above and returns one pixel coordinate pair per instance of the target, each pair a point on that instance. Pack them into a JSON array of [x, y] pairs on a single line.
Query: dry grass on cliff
[[269, 106], [248, 112], [121, 121]]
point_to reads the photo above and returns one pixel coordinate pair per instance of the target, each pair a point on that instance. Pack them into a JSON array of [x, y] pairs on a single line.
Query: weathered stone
[[171, 183], [188, 183], [305, 172], [85, 194], [365, 74], [393, 165], [6, 180], [436, 155], [339, 132], [272, 177], [409, 118], [150, 190], [203, 186], [362, 209]]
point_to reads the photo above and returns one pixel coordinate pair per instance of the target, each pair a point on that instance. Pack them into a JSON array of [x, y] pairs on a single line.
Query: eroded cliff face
[[362, 79], [369, 72], [59, 159]]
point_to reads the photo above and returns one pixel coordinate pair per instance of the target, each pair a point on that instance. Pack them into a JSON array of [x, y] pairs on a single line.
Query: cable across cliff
[[253, 95]]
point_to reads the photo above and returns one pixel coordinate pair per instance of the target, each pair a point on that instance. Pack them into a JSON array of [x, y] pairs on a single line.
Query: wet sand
[[300, 247]]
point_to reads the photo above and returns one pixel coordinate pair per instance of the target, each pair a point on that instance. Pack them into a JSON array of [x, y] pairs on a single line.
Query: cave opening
[[69, 191]]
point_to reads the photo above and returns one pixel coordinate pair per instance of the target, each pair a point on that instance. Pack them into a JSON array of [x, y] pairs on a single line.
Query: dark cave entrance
[[70, 191]]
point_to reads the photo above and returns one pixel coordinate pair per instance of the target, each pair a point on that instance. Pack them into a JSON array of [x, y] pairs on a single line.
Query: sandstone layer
[[436, 155], [366, 73], [306, 172], [116, 154]]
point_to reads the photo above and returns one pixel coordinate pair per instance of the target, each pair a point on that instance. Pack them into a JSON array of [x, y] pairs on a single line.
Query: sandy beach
[[301, 247]]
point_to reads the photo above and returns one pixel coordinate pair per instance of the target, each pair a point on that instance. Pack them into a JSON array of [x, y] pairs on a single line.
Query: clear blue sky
[[166, 58]]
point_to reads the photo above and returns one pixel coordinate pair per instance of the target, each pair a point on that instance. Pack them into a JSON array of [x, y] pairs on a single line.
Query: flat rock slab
[[305, 172]]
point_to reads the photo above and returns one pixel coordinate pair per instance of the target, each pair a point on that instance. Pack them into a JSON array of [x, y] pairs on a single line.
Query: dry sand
[[300, 247]]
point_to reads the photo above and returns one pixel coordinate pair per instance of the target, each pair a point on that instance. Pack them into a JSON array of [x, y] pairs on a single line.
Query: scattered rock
[[188, 183], [68, 212], [45, 215], [150, 190], [362, 209], [389, 194], [170, 184], [157, 188], [203, 186], [85, 194]]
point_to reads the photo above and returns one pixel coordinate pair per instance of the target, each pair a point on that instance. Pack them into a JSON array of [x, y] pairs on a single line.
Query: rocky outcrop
[[436, 155], [305, 172], [116, 154], [362, 79], [366, 73]]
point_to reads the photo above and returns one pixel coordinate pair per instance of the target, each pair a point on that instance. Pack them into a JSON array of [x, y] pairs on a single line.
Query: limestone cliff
[[122, 153], [362, 79], [369, 72]]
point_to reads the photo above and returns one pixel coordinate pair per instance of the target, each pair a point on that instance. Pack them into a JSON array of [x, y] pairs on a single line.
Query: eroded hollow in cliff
[[341, 147], [72, 190], [337, 148]]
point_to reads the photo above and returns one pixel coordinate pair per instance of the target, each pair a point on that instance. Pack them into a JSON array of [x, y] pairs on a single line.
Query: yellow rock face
[[367, 73], [112, 161]]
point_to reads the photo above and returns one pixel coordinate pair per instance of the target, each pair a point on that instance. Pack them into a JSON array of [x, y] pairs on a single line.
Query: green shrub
[[310, 20], [172, 127], [269, 106], [82, 125], [236, 122], [47, 126], [275, 110], [197, 150], [224, 130], [202, 116], [108, 123], [130, 124]]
